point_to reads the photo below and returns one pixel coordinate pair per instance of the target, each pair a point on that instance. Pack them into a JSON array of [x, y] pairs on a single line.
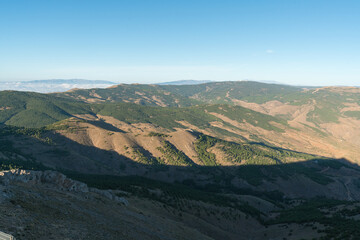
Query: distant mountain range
[[184, 82], [62, 85], [69, 81], [54, 85]]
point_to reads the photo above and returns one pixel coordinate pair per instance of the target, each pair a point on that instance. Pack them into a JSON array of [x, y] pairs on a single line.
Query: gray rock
[[47, 177], [110, 195], [56, 179]]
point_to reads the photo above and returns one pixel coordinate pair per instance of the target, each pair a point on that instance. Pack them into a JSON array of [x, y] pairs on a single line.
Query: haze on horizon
[[313, 43]]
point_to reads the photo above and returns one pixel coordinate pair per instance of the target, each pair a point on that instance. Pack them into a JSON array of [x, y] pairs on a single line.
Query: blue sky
[[295, 42]]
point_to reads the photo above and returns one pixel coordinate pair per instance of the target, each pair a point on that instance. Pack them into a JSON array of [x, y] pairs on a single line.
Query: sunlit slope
[[152, 95], [83, 146], [287, 125], [299, 104], [326, 104], [322, 121], [329, 103], [184, 95], [38, 110], [326, 118], [149, 144], [224, 92], [30, 109]]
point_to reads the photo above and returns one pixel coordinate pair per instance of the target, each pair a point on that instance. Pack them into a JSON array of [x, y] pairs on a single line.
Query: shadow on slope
[[331, 178], [104, 125]]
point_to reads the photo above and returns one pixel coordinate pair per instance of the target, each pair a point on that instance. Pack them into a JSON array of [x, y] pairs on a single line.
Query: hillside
[[152, 209], [313, 121], [180, 156], [322, 121], [35, 109], [216, 155], [152, 95], [328, 104], [202, 199]]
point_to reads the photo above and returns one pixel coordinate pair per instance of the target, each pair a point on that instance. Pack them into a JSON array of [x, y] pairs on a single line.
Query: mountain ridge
[[184, 82]]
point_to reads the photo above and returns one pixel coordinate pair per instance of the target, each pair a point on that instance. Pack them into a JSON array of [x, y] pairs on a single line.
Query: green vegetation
[[255, 156], [168, 193], [173, 156], [150, 95], [58, 152], [34, 110], [245, 153], [241, 114], [224, 92], [155, 134], [22, 131], [307, 212], [255, 175], [338, 224], [145, 157], [329, 105], [26, 109], [178, 95], [354, 114], [202, 145], [12, 158], [24, 114], [328, 102], [323, 115], [163, 117], [17, 163], [332, 164]]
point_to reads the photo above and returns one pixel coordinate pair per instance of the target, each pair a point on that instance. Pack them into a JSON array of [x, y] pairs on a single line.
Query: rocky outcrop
[[55, 179], [110, 195]]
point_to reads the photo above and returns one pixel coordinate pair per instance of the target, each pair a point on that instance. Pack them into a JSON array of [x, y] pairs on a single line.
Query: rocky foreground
[[48, 205]]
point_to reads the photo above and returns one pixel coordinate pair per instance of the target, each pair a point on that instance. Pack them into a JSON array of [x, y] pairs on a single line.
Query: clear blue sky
[[303, 42]]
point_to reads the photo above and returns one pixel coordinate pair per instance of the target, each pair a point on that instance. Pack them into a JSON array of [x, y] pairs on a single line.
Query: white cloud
[[269, 51]]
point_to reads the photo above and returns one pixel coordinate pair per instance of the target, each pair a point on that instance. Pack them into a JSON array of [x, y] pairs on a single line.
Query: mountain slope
[[298, 126], [152, 95], [35, 109], [258, 165]]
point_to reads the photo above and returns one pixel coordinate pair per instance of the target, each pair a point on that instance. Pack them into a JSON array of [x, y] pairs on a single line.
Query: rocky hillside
[[31, 199], [141, 209]]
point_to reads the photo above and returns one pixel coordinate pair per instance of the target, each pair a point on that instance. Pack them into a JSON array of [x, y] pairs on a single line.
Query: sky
[[298, 42]]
